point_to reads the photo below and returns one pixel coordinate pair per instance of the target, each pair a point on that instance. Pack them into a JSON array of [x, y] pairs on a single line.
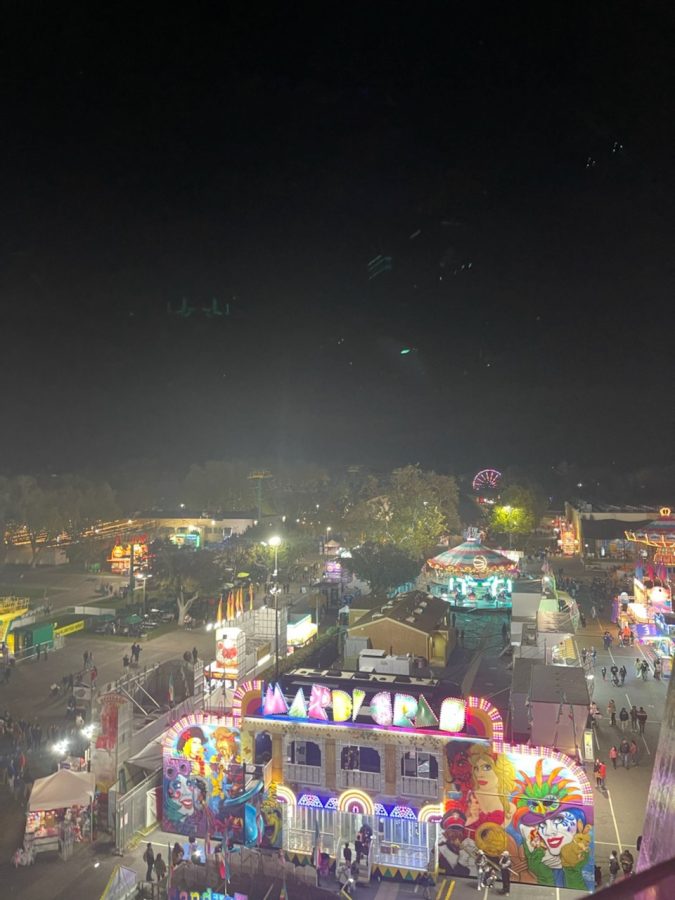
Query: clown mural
[[205, 786], [534, 807]]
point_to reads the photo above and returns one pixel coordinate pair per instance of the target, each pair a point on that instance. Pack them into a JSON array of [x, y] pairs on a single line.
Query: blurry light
[[274, 541], [405, 351], [182, 506]]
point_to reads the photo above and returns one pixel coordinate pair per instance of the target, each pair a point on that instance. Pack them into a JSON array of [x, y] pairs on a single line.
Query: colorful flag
[[171, 689], [219, 613]]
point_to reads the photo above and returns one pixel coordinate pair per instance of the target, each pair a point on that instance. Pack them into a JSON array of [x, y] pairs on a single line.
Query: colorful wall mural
[[537, 804], [206, 790]]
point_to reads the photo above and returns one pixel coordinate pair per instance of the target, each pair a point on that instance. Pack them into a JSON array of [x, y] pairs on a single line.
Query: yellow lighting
[[358, 798], [286, 794]]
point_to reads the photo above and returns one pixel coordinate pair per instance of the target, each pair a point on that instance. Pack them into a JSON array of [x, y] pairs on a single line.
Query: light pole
[[275, 541], [328, 531]]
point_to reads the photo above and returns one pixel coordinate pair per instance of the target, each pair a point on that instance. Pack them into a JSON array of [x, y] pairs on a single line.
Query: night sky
[[518, 170]]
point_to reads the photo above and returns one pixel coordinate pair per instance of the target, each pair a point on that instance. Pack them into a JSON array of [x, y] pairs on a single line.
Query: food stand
[[59, 811]]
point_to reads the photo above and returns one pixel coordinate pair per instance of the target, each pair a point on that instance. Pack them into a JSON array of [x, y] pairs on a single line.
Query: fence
[[131, 810], [29, 653]]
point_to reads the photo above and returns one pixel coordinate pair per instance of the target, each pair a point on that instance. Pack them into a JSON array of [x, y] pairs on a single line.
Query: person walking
[[633, 718], [623, 672], [638, 666], [624, 750], [195, 655], [149, 860], [594, 654], [614, 866], [611, 712], [642, 719], [603, 775], [93, 675], [626, 862], [505, 864], [596, 772], [613, 753], [603, 670], [633, 751], [623, 718], [481, 870], [85, 659], [347, 854], [38, 651], [160, 868]]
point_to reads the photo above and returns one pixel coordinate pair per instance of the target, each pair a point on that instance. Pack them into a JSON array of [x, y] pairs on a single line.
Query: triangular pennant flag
[[425, 716], [298, 708], [358, 696]]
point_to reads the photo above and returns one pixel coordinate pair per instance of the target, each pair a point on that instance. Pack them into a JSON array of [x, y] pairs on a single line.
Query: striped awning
[[473, 558]]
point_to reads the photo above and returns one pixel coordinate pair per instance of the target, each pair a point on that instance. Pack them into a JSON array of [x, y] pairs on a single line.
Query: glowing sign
[[388, 710]]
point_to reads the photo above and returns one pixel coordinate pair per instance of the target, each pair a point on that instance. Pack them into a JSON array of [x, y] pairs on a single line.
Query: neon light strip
[[431, 812], [246, 687], [353, 795], [481, 705], [286, 795]]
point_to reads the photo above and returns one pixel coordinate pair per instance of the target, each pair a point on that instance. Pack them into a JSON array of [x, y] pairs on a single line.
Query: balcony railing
[[369, 781], [303, 774], [418, 787]]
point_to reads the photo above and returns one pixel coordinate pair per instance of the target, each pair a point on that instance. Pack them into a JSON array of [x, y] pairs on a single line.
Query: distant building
[[414, 623], [185, 529], [601, 529]]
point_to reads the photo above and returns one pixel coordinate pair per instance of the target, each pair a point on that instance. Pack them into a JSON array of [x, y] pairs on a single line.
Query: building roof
[[415, 609], [526, 586], [522, 673], [610, 529], [556, 684]]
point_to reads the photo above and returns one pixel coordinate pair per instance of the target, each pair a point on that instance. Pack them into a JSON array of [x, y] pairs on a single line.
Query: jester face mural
[[205, 788], [538, 808]]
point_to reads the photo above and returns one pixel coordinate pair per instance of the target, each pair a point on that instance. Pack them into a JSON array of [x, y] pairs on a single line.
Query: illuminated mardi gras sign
[[386, 709]]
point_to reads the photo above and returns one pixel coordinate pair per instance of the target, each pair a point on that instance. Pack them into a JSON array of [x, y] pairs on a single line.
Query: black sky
[[263, 158]]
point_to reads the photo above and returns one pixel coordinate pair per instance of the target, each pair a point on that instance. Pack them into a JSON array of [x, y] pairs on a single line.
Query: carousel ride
[[472, 575]]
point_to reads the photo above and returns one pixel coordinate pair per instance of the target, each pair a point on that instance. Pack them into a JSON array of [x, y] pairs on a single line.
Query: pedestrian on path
[[596, 772], [603, 775], [505, 864], [642, 719], [623, 718], [624, 750], [594, 611], [594, 654], [611, 712], [160, 867], [623, 672], [38, 651], [604, 673], [633, 753], [638, 666], [613, 753], [633, 718], [149, 860], [614, 867]]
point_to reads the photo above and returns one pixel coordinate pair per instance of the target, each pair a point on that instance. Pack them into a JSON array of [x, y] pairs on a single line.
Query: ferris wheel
[[486, 478]]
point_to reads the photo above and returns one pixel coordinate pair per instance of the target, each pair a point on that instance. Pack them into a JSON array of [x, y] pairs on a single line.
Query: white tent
[[62, 789]]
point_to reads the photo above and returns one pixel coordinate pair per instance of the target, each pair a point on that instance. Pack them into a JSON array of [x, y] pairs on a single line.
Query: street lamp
[[275, 541], [328, 531]]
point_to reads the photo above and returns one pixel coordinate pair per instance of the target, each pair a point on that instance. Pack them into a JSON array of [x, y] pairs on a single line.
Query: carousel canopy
[[473, 558]]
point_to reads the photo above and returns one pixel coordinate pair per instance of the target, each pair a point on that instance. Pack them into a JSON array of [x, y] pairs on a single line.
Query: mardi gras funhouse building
[[307, 763]]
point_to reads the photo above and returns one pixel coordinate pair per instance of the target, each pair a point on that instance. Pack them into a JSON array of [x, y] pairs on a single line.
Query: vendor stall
[[59, 811]]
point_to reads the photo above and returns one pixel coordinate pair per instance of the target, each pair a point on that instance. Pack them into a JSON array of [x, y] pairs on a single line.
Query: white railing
[[370, 781], [418, 787], [303, 774]]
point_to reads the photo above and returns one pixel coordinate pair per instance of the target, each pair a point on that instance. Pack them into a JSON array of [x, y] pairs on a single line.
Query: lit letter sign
[[386, 709], [319, 699], [452, 715]]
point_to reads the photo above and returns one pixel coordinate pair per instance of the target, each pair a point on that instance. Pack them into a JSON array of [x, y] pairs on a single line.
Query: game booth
[[422, 780], [648, 613], [472, 575], [59, 812]]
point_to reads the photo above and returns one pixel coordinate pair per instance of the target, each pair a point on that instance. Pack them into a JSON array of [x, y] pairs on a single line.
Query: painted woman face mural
[[184, 796]]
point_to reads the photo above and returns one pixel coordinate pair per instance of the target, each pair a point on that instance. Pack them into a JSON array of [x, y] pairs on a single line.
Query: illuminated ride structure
[[472, 575], [306, 764], [649, 612]]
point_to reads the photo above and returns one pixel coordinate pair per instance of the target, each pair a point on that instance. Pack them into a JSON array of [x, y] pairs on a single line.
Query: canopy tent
[[475, 559], [61, 790]]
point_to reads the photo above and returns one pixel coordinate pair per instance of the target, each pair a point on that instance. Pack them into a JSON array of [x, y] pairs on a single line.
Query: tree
[[37, 510], [528, 497], [180, 571], [382, 566], [412, 510], [511, 520]]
